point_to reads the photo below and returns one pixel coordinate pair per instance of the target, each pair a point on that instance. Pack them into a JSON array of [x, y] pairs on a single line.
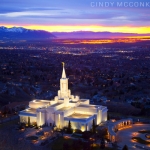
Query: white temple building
[[63, 108]]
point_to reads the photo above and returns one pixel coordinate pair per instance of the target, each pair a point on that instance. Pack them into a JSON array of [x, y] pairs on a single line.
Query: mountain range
[[20, 33]]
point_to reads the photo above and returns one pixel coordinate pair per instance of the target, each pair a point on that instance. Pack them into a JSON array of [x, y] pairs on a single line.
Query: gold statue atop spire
[[63, 64], [63, 72]]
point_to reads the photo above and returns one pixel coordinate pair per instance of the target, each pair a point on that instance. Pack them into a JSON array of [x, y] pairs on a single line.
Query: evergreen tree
[[28, 121], [102, 146], [125, 147], [93, 126], [69, 127]]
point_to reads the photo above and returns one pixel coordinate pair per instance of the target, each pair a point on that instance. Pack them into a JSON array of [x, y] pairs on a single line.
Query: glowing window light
[[59, 119]]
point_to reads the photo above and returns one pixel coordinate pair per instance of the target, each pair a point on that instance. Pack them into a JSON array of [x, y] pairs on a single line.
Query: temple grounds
[[133, 137]]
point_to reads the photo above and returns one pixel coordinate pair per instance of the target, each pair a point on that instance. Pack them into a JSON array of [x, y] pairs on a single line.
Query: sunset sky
[[76, 15]]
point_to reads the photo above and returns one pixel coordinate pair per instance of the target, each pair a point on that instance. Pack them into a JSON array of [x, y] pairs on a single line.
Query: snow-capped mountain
[[23, 33], [2, 28], [14, 29]]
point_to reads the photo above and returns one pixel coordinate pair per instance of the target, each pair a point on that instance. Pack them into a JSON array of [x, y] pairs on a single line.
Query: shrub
[[86, 135], [78, 131], [125, 147]]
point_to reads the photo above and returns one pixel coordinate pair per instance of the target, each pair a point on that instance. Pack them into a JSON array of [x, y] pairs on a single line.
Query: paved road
[[124, 137]]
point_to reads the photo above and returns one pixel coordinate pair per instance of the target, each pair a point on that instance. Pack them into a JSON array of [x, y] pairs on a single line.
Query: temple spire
[[63, 72]]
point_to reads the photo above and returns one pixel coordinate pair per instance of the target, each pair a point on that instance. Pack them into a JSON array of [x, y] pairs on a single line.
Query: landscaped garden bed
[[141, 141], [144, 131], [32, 138]]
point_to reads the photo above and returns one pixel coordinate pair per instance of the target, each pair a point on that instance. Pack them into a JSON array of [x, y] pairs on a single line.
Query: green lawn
[[140, 140], [58, 145], [9, 123], [130, 116], [144, 131], [76, 136], [107, 148]]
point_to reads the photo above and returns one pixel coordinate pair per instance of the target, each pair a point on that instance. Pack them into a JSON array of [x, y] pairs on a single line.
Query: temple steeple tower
[[64, 92]]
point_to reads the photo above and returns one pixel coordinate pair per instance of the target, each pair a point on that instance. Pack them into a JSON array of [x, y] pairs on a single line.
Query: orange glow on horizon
[[94, 28], [100, 41], [140, 37]]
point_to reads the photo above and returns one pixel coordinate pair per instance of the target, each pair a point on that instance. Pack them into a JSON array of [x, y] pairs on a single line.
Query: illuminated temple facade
[[62, 108]]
